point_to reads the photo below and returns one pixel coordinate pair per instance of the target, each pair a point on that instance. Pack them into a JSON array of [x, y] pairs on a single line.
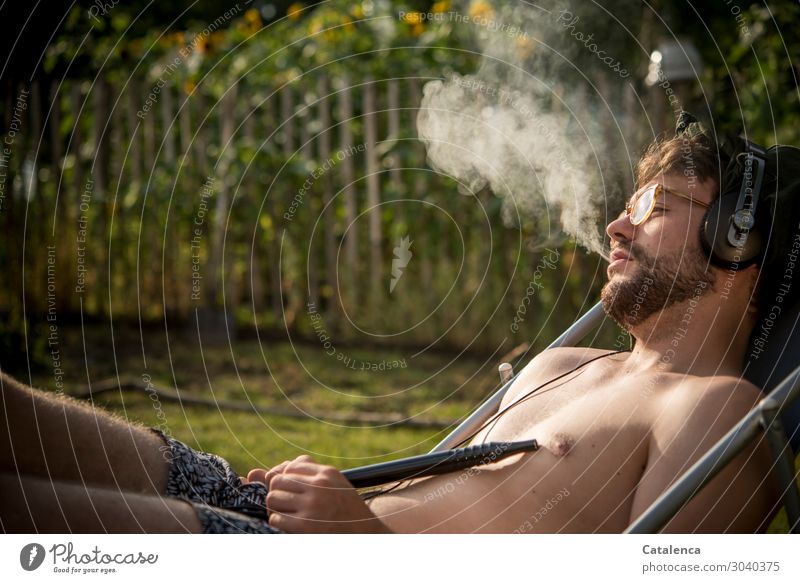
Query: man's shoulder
[[713, 388], [719, 400], [562, 359], [571, 354]]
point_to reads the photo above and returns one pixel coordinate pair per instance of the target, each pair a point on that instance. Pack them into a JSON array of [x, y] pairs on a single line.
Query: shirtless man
[[616, 428]]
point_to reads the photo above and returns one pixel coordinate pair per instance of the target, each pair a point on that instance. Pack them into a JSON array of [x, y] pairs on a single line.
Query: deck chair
[[776, 371]]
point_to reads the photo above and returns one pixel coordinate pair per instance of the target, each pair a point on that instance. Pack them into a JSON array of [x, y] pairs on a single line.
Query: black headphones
[[731, 231]]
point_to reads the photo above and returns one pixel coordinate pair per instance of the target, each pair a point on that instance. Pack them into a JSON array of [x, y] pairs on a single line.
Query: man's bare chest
[[574, 407]]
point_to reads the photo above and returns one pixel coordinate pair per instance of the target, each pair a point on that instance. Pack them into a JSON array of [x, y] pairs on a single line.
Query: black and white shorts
[[215, 491]]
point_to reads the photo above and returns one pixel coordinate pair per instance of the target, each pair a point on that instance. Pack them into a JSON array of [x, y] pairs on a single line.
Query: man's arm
[[308, 497], [695, 416], [59, 438]]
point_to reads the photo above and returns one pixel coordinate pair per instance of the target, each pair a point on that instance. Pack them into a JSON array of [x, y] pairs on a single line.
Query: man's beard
[[654, 285]]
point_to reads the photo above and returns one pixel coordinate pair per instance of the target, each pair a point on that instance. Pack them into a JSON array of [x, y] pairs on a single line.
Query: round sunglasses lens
[[642, 206]]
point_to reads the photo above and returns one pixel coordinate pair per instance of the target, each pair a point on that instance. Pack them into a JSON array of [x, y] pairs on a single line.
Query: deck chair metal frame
[[766, 417]]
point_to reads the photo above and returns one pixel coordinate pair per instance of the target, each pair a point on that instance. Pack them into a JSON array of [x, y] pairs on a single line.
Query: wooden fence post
[[421, 191], [185, 123], [169, 275], [310, 205], [221, 187], [72, 200], [393, 113], [148, 253], [329, 210], [272, 241], [101, 160], [349, 191], [253, 270], [62, 227], [373, 191]]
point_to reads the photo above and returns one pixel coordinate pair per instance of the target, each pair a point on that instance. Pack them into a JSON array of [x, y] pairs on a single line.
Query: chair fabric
[[774, 353]]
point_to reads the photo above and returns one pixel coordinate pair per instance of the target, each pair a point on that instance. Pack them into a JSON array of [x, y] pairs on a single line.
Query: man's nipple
[[560, 444]]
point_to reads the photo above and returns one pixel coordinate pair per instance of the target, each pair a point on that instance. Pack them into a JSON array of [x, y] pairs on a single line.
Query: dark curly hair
[[692, 155]]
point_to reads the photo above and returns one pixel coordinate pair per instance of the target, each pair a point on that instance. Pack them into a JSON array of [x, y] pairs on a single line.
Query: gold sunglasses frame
[[659, 190]]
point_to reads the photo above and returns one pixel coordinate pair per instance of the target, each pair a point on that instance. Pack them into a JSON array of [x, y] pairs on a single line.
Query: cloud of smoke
[[524, 123]]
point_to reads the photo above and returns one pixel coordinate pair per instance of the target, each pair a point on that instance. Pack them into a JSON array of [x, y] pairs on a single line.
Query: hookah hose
[[429, 464]]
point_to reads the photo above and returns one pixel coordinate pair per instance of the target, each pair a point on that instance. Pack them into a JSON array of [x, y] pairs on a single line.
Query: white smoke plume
[[525, 124]]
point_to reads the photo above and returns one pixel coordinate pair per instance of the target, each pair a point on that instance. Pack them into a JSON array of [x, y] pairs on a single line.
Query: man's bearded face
[[649, 285]]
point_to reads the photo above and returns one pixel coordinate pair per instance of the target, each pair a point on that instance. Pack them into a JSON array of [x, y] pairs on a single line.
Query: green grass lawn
[[300, 377]]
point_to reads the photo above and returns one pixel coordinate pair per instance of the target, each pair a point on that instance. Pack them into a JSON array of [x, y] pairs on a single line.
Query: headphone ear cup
[[714, 235]]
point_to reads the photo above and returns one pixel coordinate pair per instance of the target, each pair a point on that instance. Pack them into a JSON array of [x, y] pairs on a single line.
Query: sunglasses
[[640, 209]]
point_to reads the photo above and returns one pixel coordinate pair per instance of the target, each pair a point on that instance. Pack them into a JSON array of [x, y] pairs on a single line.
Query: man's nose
[[621, 229]]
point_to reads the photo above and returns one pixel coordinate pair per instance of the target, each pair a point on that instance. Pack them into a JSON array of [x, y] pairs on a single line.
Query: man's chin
[[609, 299], [619, 268], [625, 297]]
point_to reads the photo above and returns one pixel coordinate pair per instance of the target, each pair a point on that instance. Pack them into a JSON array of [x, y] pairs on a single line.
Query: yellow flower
[[348, 24], [204, 45], [417, 29], [189, 87], [253, 17], [412, 17], [481, 10], [218, 37], [442, 6], [316, 26], [357, 11], [525, 46], [295, 11]]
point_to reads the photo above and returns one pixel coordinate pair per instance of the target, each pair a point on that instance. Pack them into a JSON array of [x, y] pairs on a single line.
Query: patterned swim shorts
[[212, 487]]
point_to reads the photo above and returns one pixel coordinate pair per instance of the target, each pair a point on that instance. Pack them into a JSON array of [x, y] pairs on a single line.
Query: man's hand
[[308, 497], [265, 476]]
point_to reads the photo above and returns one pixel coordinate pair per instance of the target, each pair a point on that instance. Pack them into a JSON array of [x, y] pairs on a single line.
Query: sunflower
[[295, 11], [481, 10], [253, 17]]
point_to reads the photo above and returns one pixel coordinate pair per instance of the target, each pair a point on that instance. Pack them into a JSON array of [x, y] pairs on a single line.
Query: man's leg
[[58, 438], [38, 505], [31, 505]]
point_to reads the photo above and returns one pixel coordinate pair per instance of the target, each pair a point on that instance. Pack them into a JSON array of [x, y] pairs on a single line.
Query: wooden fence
[[162, 199]]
